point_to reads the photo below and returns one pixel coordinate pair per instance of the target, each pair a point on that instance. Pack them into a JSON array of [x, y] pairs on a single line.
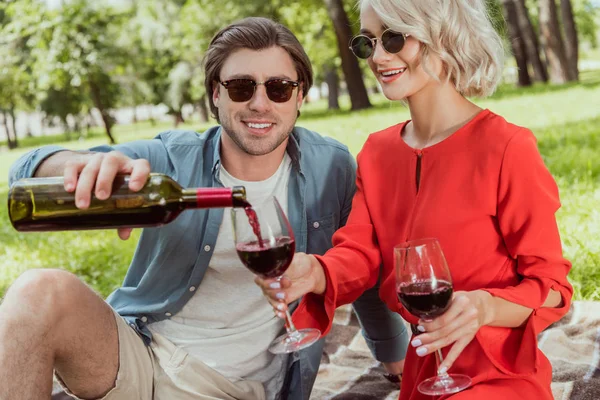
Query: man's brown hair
[[254, 33]]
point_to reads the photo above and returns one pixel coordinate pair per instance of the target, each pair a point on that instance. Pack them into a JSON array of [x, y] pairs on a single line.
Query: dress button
[[144, 319], [192, 288], [207, 248], [316, 225], [168, 314]]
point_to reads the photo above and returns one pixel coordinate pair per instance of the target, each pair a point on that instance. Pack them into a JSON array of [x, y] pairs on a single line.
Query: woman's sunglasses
[[363, 46], [241, 90]]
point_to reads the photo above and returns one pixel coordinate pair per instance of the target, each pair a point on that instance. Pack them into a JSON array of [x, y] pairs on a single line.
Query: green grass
[[565, 119]]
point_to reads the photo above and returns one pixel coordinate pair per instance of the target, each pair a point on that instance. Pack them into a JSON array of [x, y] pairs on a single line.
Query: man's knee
[[46, 291]]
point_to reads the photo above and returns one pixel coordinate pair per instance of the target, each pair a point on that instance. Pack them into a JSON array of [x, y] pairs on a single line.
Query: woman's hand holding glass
[[425, 289], [304, 275], [457, 327]]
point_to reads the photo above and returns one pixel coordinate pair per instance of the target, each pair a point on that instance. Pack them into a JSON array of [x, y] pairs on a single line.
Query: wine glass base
[[298, 340], [451, 383]]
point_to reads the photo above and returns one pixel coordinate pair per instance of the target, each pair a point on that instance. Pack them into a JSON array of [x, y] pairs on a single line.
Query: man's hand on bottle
[[304, 275], [96, 172]]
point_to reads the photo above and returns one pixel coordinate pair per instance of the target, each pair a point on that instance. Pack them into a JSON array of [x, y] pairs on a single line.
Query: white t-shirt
[[228, 324]]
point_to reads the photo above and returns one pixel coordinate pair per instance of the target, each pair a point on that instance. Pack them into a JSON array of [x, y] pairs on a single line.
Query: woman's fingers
[[429, 343], [274, 291], [453, 354], [459, 303]]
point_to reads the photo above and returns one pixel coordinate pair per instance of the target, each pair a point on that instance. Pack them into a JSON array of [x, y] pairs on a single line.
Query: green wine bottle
[[42, 204]]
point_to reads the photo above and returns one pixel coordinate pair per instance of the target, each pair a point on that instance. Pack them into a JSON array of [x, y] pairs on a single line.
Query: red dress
[[486, 195]]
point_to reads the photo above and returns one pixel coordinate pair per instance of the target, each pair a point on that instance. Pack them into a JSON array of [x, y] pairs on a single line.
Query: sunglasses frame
[[374, 43], [294, 85]]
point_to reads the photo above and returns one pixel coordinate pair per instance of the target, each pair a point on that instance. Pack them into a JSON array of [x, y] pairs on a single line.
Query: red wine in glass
[[266, 260], [424, 288], [265, 244], [425, 299]]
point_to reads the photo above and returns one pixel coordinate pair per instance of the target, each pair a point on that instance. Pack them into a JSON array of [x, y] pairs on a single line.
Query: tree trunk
[[354, 80], [203, 109], [571, 41], [516, 41], [106, 118], [333, 88], [532, 46], [178, 117], [14, 126], [552, 41], [9, 139]]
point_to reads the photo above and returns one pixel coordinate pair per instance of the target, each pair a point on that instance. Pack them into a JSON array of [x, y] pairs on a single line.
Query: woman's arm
[[503, 313], [337, 278]]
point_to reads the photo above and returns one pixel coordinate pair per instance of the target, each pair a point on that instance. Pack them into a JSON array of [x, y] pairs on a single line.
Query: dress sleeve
[[351, 266], [527, 202]]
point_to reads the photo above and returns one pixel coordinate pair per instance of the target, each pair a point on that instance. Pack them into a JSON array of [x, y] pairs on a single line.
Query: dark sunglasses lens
[[361, 46], [240, 90], [392, 42], [279, 91]]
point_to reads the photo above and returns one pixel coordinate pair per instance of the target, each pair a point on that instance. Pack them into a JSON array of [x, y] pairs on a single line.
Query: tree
[[571, 40], [74, 46], [333, 88], [530, 39], [16, 78], [552, 41], [516, 41], [352, 72]]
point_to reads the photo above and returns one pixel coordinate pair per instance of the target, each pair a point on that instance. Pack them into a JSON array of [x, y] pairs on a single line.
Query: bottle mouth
[[239, 197]]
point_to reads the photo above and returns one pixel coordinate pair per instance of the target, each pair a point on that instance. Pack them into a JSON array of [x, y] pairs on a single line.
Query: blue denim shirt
[[170, 261]]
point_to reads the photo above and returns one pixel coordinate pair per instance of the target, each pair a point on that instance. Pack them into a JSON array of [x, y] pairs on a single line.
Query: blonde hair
[[459, 32]]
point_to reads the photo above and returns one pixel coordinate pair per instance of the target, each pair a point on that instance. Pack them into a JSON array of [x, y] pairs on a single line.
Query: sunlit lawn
[[566, 121]]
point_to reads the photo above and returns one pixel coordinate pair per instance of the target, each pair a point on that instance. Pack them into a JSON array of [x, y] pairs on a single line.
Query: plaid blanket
[[573, 346], [348, 372]]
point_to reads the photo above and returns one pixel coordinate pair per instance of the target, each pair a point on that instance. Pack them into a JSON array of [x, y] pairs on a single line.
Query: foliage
[[565, 119]]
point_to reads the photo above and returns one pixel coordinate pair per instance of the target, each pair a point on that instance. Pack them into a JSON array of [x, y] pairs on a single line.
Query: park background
[[82, 73]]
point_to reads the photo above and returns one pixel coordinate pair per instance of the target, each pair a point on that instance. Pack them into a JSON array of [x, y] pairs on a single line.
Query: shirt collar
[[216, 141]]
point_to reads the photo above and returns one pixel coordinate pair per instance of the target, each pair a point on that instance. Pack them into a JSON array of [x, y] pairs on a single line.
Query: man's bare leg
[[50, 319]]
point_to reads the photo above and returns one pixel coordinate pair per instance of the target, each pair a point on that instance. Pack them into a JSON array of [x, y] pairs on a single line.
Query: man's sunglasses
[[363, 46], [278, 90]]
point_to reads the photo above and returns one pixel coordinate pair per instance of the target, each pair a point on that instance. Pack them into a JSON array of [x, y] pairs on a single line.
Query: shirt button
[[316, 225], [168, 314], [144, 319], [207, 248], [192, 288]]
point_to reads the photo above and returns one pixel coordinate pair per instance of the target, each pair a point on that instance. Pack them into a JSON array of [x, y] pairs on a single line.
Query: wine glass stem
[[443, 378], [289, 325]]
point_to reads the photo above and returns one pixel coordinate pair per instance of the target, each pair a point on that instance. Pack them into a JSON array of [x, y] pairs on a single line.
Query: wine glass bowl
[[270, 260], [424, 288], [265, 244]]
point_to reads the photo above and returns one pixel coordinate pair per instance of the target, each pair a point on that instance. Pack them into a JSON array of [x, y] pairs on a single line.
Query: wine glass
[[424, 288], [264, 241]]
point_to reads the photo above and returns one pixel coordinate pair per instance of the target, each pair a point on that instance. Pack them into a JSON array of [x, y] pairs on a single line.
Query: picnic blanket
[[348, 372]]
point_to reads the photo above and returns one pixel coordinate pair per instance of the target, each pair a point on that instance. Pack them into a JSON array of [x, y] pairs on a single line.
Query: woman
[[462, 175]]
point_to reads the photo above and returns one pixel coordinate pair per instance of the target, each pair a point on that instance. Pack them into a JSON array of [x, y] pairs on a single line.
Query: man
[[189, 322]]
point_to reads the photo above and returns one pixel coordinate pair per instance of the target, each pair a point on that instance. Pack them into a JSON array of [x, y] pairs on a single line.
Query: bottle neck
[[215, 197]]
